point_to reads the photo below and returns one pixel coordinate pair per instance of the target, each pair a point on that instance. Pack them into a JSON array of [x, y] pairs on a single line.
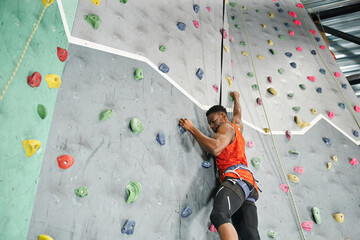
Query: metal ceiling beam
[[336, 12], [340, 34], [354, 79]]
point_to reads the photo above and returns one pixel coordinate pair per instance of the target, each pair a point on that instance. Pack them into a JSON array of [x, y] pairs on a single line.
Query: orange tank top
[[232, 155]]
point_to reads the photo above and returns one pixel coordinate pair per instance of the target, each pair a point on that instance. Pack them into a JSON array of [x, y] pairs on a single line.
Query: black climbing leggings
[[243, 214]]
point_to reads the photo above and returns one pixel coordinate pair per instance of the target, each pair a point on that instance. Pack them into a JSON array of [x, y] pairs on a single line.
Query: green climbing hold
[[42, 111], [162, 48], [273, 51], [242, 43], [290, 95], [281, 70], [106, 114], [237, 25], [302, 86], [234, 18], [94, 20], [282, 37], [133, 191], [231, 98], [296, 109], [294, 152], [123, 1], [250, 74], [255, 87], [256, 162], [272, 234], [232, 4], [138, 75], [81, 192], [258, 11], [136, 125], [316, 215]]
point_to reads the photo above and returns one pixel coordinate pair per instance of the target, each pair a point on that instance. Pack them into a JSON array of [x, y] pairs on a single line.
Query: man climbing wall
[[235, 199]]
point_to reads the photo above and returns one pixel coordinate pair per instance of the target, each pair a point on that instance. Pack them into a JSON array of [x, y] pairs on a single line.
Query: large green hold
[[138, 75], [162, 48], [93, 20], [316, 215], [133, 190], [232, 4], [42, 111], [106, 114], [81, 192], [136, 125]]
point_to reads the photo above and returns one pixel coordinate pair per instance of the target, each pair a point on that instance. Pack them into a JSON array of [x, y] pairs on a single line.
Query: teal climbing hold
[[242, 43], [94, 20], [133, 191], [272, 234], [232, 4], [138, 75], [231, 98], [250, 74], [136, 125], [258, 11], [42, 111], [302, 86], [255, 87], [162, 48], [282, 37], [256, 162], [316, 214], [106, 114], [296, 109], [237, 25], [81, 192], [281, 71], [290, 95], [273, 51], [234, 18], [294, 152]]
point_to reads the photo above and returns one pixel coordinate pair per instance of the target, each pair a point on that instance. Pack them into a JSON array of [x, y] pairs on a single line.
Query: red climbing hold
[[258, 101], [196, 24], [62, 54], [291, 32], [65, 161], [322, 47], [297, 22], [357, 108], [331, 114], [212, 228], [337, 74], [299, 5], [224, 33], [288, 134], [307, 226], [311, 78], [299, 49], [293, 14], [216, 88], [354, 161], [34, 80], [208, 8], [313, 31]]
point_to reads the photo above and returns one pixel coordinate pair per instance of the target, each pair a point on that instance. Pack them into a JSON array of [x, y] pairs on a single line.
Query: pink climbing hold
[[311, 78], [337, 74], [232, 63], [291, 32], [258, 101], [293, 14], [224, 33], [331, 114], [299, 5], [288, 134], [322, 47], [313, 31], [307, 225], [297, 22], [216, 88], [284, 187], [354, 161], [299, 170], [196, 24], [208, 8], [212, 228], [299, 49], [231, 38], [357, 108], [250, 144]]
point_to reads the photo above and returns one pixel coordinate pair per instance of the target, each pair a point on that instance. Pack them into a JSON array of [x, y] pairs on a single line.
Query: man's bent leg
[[245, 221]]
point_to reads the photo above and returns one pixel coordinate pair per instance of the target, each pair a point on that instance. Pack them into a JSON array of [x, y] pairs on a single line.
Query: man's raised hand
[[186, 123]]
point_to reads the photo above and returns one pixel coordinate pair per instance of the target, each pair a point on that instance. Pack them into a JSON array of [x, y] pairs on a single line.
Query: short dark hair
[[216, 108]]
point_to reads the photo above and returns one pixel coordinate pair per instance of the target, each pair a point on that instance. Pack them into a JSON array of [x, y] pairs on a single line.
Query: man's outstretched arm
[[215, 145], [237, 110]]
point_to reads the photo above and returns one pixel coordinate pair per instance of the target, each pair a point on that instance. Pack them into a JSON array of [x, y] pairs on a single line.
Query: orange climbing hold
[[65, 161]]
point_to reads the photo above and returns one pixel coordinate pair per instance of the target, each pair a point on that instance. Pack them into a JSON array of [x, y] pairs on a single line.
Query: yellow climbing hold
[[226, 1], [272, 91], [263, 25], [229, 80], [270, 42], [313, 111], [96, 2], [245, 53], [31, 146], [49, 2], [260, 57], [226, 48], [300, 122], [45, 237], [271, 15], [53, 80], [244, 7], [334, 158], [339, 217], [329, 164], [293, 178], [266, 130]]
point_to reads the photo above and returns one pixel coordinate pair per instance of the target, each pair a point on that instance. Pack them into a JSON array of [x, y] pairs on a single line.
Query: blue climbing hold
[[344, 86], [356, 133], [280, 10], [206, 164], [288, 54], [313, 52], [181, 26], [322, 71], [181, 129], [341, 105], [327, 141], [196, 8], [287, 24], [128, 227], [200, 73], [293, 65], [160, 137], [317, 39], [319, 90], [276, 29], [164, 68], [277, 4], [186, 212]]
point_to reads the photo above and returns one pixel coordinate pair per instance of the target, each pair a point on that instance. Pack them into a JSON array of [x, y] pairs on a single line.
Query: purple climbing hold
[[160, 137], [186, 212], [341, 105], [164, 68], [128, 227], [327, 141], [356, 133], [322, 71], [200, 73], [181, 26], [206, 164], [196, 8], [181, 129], [288, 54], [293, 64], [313, 52], [287, 24], [319, 90], [343, 85], [317, 39]]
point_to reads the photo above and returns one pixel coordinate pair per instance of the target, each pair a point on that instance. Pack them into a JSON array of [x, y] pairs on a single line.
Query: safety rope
[[268, 123], [24, 51], [332, 75]]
